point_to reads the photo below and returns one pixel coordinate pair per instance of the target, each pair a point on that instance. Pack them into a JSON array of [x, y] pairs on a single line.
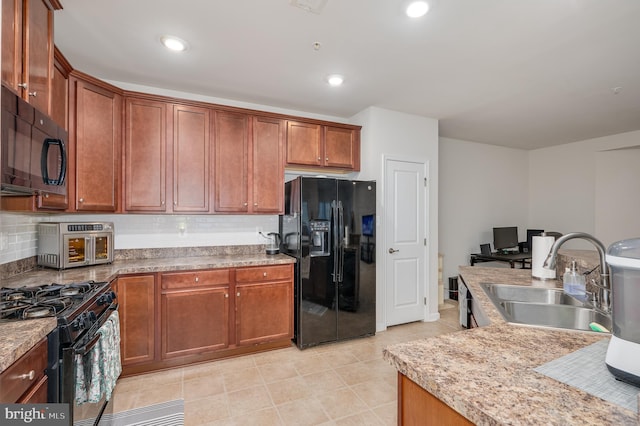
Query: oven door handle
[[83, 350]]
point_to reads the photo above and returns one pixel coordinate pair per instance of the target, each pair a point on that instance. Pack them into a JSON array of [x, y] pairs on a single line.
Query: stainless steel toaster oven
[[63, 245]]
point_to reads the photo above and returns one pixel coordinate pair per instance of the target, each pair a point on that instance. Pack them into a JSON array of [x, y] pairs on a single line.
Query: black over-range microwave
[[34, 157]]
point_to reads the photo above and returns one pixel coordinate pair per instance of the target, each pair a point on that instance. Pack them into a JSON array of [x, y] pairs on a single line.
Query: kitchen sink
[[544, 307], [550, 315], [519, 293]]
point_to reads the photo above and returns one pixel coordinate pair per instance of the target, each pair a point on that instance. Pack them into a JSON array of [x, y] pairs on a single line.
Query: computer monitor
[[505, 237], [530, 234]]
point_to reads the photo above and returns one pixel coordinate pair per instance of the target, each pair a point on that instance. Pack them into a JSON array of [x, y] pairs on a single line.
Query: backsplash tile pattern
[[18, 237]]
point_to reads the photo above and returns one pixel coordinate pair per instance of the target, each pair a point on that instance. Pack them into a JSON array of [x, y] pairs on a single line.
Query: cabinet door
[[341, 148], [264, 312], [304, 144], [191, 154], [12, 44], [60, 90], [145, 155], [195, 321], [231, 157], [38, 56], [98, 113], [136, 296], [267, 171]]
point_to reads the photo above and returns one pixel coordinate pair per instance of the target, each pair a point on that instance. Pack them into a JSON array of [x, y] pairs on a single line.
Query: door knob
[[391, 251]]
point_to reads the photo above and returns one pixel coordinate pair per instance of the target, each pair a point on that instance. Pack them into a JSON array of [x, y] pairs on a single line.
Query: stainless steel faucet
[[603, 295]]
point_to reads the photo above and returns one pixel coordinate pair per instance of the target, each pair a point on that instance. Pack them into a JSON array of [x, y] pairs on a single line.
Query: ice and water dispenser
[[320, 238]]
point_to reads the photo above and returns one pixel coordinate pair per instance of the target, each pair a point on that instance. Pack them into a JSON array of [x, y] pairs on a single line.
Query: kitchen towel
[[541, 246], [98, 369]]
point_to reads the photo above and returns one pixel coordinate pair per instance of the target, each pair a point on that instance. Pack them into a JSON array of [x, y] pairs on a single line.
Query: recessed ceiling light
[[416, 9], [173, 43], [335, 80]]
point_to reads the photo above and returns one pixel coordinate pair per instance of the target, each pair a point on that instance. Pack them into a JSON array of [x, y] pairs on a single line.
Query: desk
[[512, 258]]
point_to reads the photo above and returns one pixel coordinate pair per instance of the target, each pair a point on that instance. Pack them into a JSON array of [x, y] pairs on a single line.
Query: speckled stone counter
[[487, 374], [16, 338]]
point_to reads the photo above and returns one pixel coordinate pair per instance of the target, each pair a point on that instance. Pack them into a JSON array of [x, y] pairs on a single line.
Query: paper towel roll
[[540, 248]]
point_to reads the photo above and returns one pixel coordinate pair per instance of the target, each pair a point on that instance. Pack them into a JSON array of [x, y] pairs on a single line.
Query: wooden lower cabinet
[[25, 380], [263, 304], [184, 317], [137, 306], [416, 406]]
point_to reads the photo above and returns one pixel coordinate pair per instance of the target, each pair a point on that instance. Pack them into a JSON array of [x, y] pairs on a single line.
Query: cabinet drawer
[[22, 374], [264, 273], [195, 278]]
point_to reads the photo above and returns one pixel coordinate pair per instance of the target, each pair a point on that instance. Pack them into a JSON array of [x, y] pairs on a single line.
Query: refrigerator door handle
[[335, 245], [340, 241]]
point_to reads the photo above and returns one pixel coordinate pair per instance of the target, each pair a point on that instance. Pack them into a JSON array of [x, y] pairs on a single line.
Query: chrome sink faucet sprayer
[[603, 295]]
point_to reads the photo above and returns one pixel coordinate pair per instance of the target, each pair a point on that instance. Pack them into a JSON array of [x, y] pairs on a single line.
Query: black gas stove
[[80, 309]]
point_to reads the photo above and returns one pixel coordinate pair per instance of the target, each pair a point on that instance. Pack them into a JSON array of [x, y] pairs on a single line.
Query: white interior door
[[405, 231]]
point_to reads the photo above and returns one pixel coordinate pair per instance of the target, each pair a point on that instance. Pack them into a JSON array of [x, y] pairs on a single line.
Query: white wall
[[412, 137], [562, 190], [481, 186]]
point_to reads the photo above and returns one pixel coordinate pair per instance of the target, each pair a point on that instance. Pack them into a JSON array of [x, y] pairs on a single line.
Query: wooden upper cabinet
[[145, 155], [249, 172], [311, 145], [27, 49], [60, 90], [304, 143], [341, 148], [268, 167], [191, 158], [96, 141], [231, 143]]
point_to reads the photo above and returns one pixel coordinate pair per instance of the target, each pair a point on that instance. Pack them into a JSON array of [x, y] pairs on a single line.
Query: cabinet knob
[[226, 295], [326, 159], [319, 158], [162, 203], [246, 204], [81, 200], [197, 279], [28, 376], [34, 94], [22, 85], [175, 203], [46, 195], [238, 294], [264, 274], [255, 204]]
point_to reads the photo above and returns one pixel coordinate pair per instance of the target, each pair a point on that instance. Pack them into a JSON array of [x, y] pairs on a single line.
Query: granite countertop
[[487, 373], [16, 338]]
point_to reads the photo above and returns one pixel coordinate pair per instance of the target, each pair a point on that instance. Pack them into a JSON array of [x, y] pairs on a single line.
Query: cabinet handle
[[81, 200], [28, 376], [34, 94]]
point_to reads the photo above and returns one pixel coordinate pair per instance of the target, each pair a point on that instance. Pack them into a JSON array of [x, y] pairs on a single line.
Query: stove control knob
[[81, 322], [106, 298]]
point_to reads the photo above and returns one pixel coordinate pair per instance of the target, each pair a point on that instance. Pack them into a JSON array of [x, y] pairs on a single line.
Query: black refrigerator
[[329, 226]]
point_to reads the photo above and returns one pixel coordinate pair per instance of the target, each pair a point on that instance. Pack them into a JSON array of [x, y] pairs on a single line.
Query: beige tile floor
[[345, 383]]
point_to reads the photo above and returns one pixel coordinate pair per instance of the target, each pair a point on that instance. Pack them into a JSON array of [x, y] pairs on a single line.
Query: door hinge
[[425, 242], [425, 182], [425, 301]]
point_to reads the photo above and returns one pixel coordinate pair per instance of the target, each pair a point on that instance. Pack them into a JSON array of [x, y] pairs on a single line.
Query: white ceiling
[[519, 73]]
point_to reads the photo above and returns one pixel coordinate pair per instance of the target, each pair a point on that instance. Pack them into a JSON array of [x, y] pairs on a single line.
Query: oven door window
[[76, 250], [103, 248]]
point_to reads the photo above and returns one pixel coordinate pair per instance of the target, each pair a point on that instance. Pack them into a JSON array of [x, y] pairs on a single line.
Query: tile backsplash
[[18, 237]]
